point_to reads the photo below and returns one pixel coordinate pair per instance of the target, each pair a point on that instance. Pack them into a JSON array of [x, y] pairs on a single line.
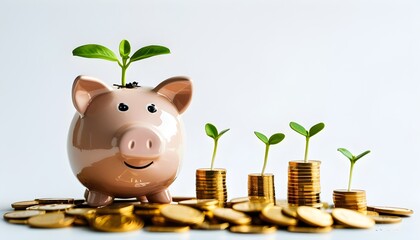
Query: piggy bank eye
[[122, 107], [152, 108]]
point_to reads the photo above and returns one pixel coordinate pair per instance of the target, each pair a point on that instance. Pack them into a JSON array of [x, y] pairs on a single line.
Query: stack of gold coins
[[211, 184], [304, 186], [261, 187], [354, 199]]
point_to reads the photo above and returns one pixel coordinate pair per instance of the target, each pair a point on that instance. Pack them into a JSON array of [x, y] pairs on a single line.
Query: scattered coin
[[177, 229], [250, 207], [392, 210], [301, 229], [50, 220], [274, 215], [55, 207], [352, 218], [54, 200], [314, 217], [386, 219], [252, 229], [231, 216], [118, 208], [117, 223], [212, 226], [22, 214], [182, 214], [22, 205], [289, 211]]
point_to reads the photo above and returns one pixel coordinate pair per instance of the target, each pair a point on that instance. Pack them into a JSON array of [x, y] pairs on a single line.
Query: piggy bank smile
[[138, 167]]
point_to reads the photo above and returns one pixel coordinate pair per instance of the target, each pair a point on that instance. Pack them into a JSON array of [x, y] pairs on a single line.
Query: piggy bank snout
[[141, 142]]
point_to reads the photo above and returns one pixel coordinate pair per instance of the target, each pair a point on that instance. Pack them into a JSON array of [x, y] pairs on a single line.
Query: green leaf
[[316, 129], [211, 131], [262, 137], [222, 132], [125, 48], [361, 155], [346, 153], [276, 138], [149, 51], [95, 51], [299, 129]]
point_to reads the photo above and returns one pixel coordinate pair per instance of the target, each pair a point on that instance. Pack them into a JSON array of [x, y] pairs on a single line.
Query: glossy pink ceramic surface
[[127, 142]]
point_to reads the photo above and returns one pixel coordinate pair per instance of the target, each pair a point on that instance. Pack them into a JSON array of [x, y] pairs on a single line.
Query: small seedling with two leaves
[[274, 139], [353, 159], [307, 134], [101, 52], [212, 132]]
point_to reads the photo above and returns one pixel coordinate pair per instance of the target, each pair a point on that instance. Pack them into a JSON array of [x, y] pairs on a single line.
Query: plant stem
[[350, 176], [267, 147], [214, 154], [306, 150], [123, 68]]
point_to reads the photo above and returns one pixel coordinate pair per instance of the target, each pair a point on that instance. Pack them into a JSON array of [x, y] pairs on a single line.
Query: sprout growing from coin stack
[[304, 186], [211, 182], [261, 186], [351, 198]]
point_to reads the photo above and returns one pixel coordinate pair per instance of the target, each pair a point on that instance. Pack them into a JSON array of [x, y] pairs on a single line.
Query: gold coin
[[250, 207], [182, 214], [274, 215], [178, 198], [300, 229], [118, 208], [178, 229], [80, 211], [55, 207], [303, 163], [22, 214], [352, 218], [290, 211], [199, 202], [386, 219], [239, 200], [22, 205], [159, 221], [54, 200], [50, 220], [18, 221], [117, 223], [314, 217], [252, 229], [231, 216], [372, 213], [148, 205], [391, 210], [212, 226], [147, 212]]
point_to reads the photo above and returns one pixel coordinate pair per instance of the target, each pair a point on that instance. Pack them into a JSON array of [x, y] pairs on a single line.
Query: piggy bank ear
[[84, 90], [178, 90]]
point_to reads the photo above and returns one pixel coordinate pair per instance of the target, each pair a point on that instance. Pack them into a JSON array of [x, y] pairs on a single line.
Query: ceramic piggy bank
[[127, 142]]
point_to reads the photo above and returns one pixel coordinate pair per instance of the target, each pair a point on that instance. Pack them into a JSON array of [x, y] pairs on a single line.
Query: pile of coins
[[211, 184], [354, 199], [261, 187], [304, 188], [243, 217]]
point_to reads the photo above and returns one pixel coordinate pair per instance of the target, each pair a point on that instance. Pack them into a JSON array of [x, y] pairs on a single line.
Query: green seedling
[[101, 52], [274, 139], [212, 132], [353, 159], [307, 134]]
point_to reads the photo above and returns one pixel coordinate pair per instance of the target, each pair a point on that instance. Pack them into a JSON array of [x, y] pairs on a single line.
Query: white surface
[[256, 65]]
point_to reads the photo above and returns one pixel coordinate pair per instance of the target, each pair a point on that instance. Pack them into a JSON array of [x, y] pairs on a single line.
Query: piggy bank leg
[[142, 199], [160, 197], [97, 199]]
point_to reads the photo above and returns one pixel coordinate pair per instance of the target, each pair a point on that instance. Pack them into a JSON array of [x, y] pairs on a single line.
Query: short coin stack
[[304, 186], [211, 184], [354, 199], [261, 187]]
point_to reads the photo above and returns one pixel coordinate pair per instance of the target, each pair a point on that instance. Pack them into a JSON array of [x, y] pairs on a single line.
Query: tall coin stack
[[261, 187], [354, 199], [304, 186], [211, 184]]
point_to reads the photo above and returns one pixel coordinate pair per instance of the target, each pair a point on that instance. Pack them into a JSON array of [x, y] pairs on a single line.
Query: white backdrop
[[256, 65]]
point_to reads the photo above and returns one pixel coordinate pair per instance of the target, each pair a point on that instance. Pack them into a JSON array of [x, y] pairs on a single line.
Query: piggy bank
[[127, 142]]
